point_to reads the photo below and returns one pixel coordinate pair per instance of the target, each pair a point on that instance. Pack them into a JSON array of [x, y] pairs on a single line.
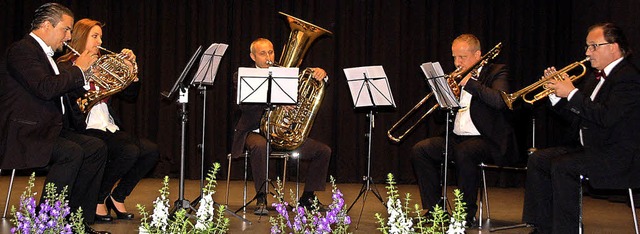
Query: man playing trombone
[[607, 110], [481, 132]]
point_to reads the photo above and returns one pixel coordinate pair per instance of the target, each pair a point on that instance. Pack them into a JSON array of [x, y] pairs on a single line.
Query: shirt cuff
[[84, 78], [554, 99], [572, 93]]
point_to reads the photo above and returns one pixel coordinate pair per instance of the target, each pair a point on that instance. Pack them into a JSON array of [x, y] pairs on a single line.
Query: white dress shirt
[[463, 125], [99, 116]]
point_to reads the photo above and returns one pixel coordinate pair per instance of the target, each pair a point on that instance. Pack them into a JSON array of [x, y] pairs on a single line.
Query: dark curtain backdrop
[[400, 35]]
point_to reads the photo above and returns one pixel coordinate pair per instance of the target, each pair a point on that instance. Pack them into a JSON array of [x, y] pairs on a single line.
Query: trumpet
[[452, 78], [510, 98]]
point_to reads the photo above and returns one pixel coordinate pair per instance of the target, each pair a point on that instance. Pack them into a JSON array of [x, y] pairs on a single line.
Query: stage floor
[[600, 216]]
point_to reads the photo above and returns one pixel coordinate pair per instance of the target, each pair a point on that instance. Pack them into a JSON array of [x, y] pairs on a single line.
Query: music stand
[[369, 89], [446, 100], [205, 76], [274, 85], [183, 99]]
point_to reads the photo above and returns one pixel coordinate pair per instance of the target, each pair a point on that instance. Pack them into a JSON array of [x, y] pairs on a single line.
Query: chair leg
[[298, 177], [633, 210], [6, 204], [244, 189], [580, 230], [284, 171], [228, 178], [484, 195]]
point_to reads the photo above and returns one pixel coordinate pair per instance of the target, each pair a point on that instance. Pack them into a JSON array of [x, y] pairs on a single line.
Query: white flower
[[205, 212], [142, 230], [456, 227], [398, 221], [160, 216]]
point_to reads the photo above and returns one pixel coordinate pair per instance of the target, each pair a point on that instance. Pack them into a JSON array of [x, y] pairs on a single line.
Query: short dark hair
[[51, 12], [613, 34]]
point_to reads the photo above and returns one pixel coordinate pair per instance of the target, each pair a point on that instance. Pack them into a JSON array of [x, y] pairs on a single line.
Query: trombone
[[410, 113], [451, 80], [510, 98]]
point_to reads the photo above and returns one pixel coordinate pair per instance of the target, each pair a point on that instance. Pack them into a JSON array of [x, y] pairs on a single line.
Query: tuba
[[111, 73], [288, 129]]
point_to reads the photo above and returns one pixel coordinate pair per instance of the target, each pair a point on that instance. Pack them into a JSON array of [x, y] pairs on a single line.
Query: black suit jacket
[[610, 127], [249, 120], [74, 119], [30, 114], [488, 112]]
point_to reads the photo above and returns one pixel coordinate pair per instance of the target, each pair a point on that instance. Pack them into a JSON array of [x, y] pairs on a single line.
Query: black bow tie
[[600, 74]]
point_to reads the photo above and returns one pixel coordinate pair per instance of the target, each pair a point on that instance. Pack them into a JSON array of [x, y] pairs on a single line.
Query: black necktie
[[600, 74]]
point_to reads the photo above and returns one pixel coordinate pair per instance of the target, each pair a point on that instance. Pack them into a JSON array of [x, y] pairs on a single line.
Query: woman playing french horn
[[129, 158]]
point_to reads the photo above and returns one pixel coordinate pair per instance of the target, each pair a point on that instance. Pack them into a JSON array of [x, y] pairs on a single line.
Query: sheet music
[[439, 85], [209, 63], [377, 88], [432, 70], [253, 85]]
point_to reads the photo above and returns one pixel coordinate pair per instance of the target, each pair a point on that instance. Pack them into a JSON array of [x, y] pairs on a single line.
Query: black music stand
[[369, 89], [205, 76], [183, 99], [275, 85], [448, 101]]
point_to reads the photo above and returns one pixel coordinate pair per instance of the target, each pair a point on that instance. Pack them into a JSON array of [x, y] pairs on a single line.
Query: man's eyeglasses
[[593, 47]]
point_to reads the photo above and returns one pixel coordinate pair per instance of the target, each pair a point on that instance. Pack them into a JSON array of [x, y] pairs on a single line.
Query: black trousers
[[465, 151], [129, 160], [314, 151], [78, 162], [552, 194]]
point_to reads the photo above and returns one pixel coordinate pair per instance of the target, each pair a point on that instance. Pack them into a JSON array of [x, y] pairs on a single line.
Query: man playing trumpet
[[607, 110]]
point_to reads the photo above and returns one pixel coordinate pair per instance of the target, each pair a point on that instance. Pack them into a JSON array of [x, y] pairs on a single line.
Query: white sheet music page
[[284, 89], [252, 85], [377, 87], [209, 63]]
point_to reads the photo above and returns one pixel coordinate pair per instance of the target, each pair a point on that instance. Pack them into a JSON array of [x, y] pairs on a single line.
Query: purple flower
[[347, 220]]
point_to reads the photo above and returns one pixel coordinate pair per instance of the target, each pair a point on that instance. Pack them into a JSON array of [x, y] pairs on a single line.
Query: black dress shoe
[[261, 206], [89, 230], [308, 203], [119, 215], [472, 222], [104, 218]]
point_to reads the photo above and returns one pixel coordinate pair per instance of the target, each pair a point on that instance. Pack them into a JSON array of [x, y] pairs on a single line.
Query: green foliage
[[207, 219], [403, 219]]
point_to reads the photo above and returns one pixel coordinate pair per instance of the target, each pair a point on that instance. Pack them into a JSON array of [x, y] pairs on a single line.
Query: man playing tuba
[[247, 136]]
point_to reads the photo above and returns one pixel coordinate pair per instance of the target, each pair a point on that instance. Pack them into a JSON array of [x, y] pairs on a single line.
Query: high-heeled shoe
[[119, 214], [103, 218]]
